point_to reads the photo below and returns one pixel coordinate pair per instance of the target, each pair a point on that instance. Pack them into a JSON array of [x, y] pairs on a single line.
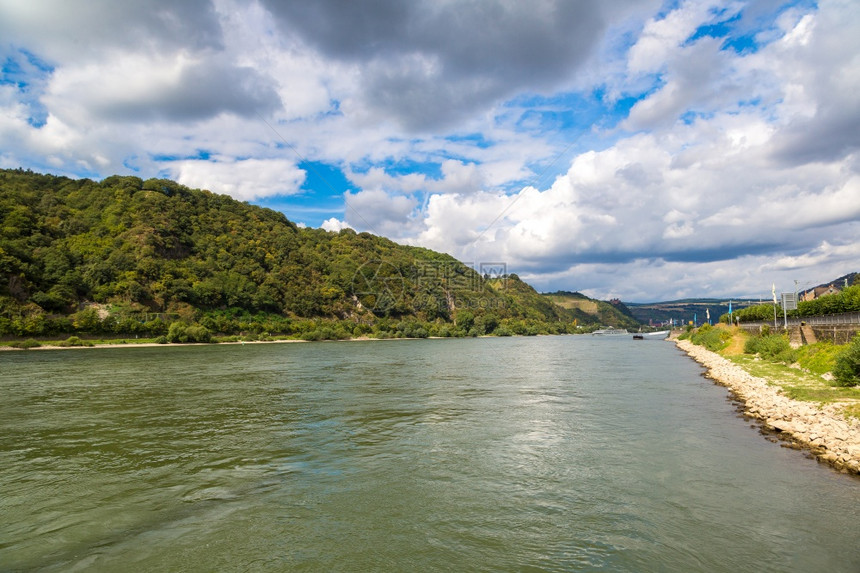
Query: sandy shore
[[147, 345], [131, 344], [823, 430]]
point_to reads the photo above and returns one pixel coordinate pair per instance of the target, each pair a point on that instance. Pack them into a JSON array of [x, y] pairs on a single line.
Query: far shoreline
[[130, 344]]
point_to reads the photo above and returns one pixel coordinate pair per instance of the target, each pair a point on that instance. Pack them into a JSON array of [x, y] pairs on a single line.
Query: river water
[[498, 454]]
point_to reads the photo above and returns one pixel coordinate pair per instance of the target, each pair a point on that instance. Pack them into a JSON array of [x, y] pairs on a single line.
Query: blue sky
[[641, 149]]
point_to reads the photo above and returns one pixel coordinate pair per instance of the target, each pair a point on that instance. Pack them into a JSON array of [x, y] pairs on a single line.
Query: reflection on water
[[545, 454]]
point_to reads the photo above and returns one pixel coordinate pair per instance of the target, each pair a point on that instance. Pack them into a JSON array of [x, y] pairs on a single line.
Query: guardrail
[[842, 319]]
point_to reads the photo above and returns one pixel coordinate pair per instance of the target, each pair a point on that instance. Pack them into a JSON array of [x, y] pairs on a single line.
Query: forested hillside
[[128, 256], [589, 311]]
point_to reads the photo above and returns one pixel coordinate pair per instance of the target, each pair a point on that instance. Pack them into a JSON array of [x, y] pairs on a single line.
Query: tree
[[847, 369]]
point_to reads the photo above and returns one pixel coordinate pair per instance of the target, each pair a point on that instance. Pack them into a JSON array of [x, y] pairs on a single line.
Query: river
[[562, 453]]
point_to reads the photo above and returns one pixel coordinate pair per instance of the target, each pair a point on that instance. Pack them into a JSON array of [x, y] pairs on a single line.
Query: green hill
[[587, 311], [127, 256]]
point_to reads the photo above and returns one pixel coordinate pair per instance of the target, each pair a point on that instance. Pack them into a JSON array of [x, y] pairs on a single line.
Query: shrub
[[773, 347], [847, 369], [26, 344], [818, 358], [714, 339], [197, 333], [176, 332], [179, 332], [312, 335], [74, 341]]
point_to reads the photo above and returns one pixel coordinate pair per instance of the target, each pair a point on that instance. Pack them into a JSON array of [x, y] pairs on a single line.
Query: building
[[819, 292]]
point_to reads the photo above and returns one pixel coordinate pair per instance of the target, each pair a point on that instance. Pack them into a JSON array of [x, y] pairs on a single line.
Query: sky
[[640, 149]]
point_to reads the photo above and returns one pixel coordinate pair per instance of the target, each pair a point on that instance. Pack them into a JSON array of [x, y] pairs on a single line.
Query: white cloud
[[244, 180], [177, 87], [380, 213], [661, 38], [334, 224]]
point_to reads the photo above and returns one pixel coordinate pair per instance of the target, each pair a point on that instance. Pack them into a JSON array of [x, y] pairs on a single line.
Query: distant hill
[[588, 311], [684, 310], [126, 255]]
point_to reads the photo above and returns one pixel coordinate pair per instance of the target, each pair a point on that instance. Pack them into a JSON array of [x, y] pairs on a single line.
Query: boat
[[660, 335], [610, 332], [622, 332]]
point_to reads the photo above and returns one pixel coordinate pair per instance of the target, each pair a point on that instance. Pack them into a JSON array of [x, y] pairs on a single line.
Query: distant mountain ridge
[[683, 311]]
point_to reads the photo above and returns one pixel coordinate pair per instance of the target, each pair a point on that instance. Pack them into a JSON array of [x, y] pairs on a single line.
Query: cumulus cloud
[[175, 87], [65, 32], [334, 224], [818, 63], [428, 64], [380, 213], [245, 180]]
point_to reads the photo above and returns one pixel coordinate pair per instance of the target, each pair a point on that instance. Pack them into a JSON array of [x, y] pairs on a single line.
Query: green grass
[[818, 358], [852, 410], [796, 383]]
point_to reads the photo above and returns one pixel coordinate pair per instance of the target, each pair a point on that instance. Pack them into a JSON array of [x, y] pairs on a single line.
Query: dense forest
[[153, 258]]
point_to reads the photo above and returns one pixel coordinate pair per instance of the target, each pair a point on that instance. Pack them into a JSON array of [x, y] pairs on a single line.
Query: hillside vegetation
[[587, 311], [126, 256]]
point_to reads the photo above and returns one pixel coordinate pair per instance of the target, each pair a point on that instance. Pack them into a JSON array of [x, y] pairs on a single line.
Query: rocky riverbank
[[830, 436]]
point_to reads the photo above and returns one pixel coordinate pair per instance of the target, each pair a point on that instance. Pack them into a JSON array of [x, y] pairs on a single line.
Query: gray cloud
[[65, 31], [202, 91], [830, 136], [114, 61], [428, 64]]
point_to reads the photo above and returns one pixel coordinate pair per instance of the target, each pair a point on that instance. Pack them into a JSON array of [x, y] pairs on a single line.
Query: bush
[[847, 369], [180, 332], [818, 358], [773, 347], [176, 332], [197, 333], [714, 339], [74, 341], [26, 344]]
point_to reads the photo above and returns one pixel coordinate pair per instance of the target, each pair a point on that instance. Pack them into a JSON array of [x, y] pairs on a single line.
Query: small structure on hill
[[819, 292]]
